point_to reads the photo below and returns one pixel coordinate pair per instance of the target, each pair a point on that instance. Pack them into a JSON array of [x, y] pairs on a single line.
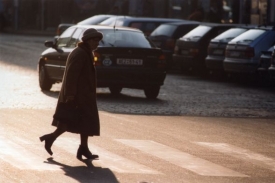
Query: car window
[[65, 37], [145, 27], [75, 38], [197, 32], [119, 23], [182, 30], [164, 30], [231, 33], [149, 27], [110, 21], [93, 20], [249, 35], [124, 38], [137, 25]]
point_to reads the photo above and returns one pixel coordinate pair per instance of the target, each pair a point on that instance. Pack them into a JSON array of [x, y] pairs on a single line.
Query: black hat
[[91, 33]]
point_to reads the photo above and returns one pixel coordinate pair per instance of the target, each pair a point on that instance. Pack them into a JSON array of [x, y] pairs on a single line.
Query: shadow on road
[[88, 173], [126, 104]]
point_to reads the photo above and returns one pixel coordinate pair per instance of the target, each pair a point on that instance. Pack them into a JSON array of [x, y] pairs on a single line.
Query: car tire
[[115, 90], [44, 82], [152, 92]]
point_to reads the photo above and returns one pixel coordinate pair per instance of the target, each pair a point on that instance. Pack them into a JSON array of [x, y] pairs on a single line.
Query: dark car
[[217, 46], [271, 69], [243, 52], [94, 20], [165, 35], [146, 24], [265, 63], [191, 49], [125, 58]]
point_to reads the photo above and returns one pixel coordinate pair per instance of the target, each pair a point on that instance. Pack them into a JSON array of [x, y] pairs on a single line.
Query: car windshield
[[124, 38], [250, 35], [93, 20], [164, 30], [110, 21], [197, 32], [231, 33]]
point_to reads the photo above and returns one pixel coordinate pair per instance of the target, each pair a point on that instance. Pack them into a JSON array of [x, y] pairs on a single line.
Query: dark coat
[[79, 80]]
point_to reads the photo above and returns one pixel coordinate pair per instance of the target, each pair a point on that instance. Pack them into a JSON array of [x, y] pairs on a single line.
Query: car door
[[69, 45], [55, 59]]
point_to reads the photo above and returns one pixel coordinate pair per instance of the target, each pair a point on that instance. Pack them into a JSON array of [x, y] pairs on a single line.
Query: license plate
[[218, 52], [125, 61], [234, 54]]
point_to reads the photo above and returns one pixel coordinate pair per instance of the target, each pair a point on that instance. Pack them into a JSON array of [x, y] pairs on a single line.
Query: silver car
[[243, 53], [217, 46]]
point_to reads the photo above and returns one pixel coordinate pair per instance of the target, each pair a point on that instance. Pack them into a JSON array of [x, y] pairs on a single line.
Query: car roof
[[106, 27], [151, 18], [181, 22], [218, 25], [145, 19], [246, 26], [94, 17], [264, 27]]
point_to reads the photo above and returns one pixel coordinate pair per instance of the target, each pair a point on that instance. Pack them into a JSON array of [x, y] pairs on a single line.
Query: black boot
[[49, 139], [84, 151]]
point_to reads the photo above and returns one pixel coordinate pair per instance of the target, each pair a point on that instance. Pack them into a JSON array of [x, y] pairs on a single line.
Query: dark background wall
[[47, 14]]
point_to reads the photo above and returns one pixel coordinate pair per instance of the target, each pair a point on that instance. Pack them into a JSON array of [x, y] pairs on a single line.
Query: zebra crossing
[[182, 159], [243, 154], [16, 154]]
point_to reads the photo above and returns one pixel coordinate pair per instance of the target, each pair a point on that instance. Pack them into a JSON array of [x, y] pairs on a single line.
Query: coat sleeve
[[74, 67]]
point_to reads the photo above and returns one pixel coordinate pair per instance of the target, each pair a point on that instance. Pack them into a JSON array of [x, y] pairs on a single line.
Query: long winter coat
[[79, 80]]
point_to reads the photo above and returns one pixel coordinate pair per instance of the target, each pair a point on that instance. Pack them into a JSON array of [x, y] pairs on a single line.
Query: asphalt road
[[198, 130]]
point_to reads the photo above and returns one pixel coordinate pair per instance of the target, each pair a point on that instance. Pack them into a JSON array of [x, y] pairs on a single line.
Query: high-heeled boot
[[49, 139], [84, 151]]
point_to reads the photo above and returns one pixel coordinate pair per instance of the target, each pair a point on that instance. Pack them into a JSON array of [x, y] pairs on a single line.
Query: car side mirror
[[56, 38], [49, 44]]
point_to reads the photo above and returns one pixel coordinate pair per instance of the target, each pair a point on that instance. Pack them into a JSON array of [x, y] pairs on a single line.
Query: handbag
[[67, 113]]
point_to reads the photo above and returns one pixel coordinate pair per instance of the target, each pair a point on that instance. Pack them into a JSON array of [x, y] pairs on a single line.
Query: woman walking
[[78, 92]]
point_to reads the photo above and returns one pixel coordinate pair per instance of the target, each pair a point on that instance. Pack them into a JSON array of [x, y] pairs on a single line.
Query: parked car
[[61, 28], [125, 58], [165, 36], [216, 48], [191, 49], [243, 52], [271, 69], [94, 20], [145, 24], [265, 63]]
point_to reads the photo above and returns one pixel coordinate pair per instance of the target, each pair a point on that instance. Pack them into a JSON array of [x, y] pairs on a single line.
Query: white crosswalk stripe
[[182, 159], [19, 153], [18, 156], [240, 153], [107, 159]]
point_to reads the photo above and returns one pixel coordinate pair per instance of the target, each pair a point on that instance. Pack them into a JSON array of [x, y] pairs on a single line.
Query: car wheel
[[115, 90], [151, 92], [44, 82]]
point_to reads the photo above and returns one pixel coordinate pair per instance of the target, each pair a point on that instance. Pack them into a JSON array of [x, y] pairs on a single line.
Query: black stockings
[[83, 137], [59, 130], [84, 140]]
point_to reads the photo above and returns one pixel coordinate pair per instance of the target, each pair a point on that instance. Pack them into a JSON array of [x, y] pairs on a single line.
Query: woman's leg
[[83, 149], [50, 138], [84, 140]]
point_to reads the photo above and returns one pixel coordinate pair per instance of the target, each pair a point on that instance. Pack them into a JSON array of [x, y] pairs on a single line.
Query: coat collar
[[84, 46], [87, 49]]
